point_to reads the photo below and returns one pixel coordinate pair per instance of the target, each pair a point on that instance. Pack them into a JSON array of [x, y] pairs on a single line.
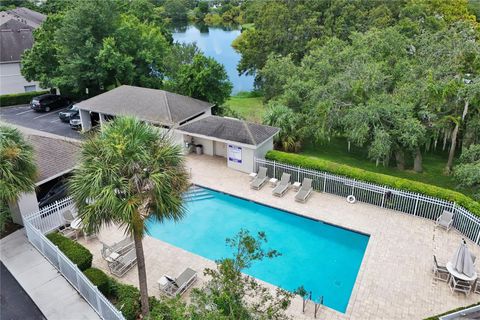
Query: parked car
[[75, 122], [47, 102], [57, 192], [68, 114]]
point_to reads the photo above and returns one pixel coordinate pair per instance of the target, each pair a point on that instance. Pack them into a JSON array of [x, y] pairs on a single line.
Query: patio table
[[459, 275]]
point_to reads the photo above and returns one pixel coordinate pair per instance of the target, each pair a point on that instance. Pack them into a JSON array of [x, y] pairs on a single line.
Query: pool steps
[[196, 194]]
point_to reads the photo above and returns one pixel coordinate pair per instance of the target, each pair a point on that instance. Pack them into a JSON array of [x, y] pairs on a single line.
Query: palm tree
[[128, 173], [17, 169]]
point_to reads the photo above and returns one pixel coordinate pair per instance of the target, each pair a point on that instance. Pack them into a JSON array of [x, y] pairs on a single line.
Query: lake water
[[216, 42]]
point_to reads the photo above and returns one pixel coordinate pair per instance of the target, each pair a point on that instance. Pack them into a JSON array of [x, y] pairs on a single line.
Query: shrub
[[99, 279], [377, 178], [19, 98], [77, 253], [128, 300]]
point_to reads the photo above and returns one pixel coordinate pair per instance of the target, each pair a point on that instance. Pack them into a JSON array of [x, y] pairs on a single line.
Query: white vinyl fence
[[408, 202], [48, 219]]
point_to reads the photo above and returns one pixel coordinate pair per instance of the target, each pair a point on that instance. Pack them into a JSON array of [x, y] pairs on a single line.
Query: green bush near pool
[[19, 98], [377, 178], [74, 251], [100, 280]]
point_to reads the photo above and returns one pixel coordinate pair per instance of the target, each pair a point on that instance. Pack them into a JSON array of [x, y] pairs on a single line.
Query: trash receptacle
[[199, 148]]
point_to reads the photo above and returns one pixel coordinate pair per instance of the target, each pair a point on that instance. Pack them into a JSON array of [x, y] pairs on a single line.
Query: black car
[[57, 192], [75, 122], [47, 102], [68, 114]]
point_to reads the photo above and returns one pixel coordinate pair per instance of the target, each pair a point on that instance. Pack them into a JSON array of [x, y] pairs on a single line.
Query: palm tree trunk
[[142, 273], [451, 154]]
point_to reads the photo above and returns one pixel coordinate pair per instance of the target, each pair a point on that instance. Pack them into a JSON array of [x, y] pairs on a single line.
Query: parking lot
[[44, 121]]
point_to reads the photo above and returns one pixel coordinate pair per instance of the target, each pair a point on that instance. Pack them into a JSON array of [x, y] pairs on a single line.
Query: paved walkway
[[53, 295]]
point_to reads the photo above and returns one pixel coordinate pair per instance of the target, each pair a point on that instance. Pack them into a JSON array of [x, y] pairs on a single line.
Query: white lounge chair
[[283, 186], [117, 248], [445, 220], [440, 272], [179, 285], [304, 191], [123, 263], [260, 179]]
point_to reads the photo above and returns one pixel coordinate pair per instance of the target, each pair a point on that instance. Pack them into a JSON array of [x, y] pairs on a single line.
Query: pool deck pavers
[[395, 279]]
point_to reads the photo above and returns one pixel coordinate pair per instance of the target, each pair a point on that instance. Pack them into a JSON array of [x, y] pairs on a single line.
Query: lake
[[216, 42]]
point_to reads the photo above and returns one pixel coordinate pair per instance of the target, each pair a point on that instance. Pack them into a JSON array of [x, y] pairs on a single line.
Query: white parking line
[[46, 114], [17, 114], [56, 120]]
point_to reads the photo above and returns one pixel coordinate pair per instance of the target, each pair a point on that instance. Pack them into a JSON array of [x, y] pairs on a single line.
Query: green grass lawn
[[248, 105], [433, 163]]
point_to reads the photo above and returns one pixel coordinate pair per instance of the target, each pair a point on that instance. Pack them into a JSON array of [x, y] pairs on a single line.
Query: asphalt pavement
[[15, 302], [23, 116]]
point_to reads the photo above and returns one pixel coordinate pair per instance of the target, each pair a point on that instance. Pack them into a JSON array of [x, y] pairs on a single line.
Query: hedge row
[[377, 178], [74, 251], [437, 317], [19, 98]]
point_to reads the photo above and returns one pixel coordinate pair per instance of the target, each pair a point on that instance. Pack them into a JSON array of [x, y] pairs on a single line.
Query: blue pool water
[[325, 259]]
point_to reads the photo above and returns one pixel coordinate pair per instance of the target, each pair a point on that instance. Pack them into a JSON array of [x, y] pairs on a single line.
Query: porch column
[[85, 120]]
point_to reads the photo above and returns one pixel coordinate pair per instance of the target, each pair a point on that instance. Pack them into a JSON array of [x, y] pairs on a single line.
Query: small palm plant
[[17, 169], [128, 173]]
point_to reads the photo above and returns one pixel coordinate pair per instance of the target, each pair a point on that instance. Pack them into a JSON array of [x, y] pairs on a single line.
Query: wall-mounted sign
[[234, 154]]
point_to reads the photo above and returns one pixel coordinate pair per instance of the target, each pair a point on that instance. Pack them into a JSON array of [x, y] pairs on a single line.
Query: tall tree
[[17, 168], [128, 173], [204, 79]]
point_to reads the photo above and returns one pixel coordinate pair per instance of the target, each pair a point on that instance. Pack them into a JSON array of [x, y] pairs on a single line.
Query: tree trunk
[[349, 144], [451, 154], [142, 273], [400, 159], [417, 163]]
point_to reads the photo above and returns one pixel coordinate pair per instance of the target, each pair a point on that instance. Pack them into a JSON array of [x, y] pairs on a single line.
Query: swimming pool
[[325, 259]]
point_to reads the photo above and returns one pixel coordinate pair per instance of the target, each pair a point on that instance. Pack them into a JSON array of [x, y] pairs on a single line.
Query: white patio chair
[[440, 272], [445, 220], [458, 285]]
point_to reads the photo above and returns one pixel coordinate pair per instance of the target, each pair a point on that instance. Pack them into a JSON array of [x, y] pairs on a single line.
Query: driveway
[[44, 121], [16, 303]]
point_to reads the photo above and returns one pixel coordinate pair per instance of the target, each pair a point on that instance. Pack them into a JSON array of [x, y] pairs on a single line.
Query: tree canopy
[[393, 77], [97, 45]]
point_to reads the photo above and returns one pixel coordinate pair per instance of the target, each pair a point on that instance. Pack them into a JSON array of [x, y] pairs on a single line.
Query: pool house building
[[190, 122]]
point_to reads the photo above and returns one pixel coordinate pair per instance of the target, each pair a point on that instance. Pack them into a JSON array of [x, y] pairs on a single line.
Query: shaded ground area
[[44, 121], [433, 163], [16, 304]]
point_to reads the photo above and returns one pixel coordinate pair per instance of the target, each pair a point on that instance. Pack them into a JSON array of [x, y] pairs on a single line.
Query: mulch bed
[[10, 227]]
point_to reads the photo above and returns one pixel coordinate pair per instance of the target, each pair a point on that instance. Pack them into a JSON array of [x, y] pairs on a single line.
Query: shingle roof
[[15, 38], [156, 106], [53, 156], [29, 17], [230, 129]]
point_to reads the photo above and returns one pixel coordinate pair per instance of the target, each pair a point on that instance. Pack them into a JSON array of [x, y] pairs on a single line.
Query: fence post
[[274, 169], [324, 181], [383, 197], [416, 205], [353, 186], [478, 238]]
